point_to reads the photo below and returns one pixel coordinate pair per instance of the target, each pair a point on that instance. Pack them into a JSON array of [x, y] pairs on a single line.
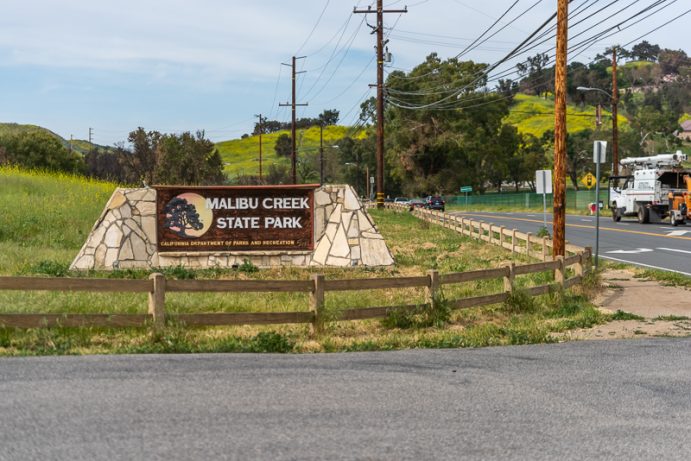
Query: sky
[[181, 65]]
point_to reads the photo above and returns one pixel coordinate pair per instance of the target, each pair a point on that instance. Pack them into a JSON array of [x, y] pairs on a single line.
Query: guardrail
[[511, 239]]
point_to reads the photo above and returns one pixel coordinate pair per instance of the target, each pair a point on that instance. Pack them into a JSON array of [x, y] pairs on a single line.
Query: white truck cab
[[644, 191]]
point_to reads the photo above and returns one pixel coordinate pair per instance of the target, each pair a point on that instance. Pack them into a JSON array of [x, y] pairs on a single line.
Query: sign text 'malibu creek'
[[235, 218]]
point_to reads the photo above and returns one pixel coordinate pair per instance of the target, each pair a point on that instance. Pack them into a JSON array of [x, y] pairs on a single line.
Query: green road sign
[[467, 189]]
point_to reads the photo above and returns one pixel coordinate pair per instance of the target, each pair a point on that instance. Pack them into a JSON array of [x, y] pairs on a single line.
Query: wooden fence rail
[[511, 239], [157, 286]]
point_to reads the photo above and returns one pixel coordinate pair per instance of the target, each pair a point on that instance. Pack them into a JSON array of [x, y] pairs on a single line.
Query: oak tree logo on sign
[[186, 216]]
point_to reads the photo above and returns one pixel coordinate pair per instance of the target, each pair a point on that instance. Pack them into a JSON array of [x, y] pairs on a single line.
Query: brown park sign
[[193, 219]]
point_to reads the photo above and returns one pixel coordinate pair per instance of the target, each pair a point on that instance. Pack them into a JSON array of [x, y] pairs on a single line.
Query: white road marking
[[587, 220], [637, 251], [645, 265], [675, 249], [677, 233]]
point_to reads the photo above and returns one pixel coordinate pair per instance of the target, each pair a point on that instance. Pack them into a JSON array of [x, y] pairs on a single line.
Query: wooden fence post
[[480, 232], [501, 236], [491, 235], [559, 272], [317, 303], [508, 278], [579, 264], [157, 300], [527, 244], [433, 289], [513, 241], [588, 259], [544, 248]]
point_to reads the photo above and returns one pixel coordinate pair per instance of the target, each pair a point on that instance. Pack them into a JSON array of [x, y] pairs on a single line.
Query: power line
[[309, 36], [659, 27]]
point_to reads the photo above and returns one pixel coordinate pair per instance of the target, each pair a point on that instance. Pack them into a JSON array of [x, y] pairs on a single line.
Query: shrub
[[519, 301]]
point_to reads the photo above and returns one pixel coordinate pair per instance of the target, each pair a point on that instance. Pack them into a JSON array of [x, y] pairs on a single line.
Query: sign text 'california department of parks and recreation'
[[235, 218]]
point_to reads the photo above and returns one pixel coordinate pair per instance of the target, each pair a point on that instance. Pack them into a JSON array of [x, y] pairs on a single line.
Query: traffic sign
[[466, 188], [588, 180], [543, 181], [599, 151]]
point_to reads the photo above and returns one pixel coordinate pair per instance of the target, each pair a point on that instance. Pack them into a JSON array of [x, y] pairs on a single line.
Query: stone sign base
[[125, 237]]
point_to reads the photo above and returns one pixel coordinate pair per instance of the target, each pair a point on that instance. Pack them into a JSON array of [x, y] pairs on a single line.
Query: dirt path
[[666, 310]]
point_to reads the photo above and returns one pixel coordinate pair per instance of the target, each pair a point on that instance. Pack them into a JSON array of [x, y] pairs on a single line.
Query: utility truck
[[652, 189]]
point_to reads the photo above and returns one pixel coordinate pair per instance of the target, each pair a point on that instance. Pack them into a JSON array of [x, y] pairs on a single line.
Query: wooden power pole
[[261, 131], [293, 104], [615, 124], [559, 220], [380, 92]]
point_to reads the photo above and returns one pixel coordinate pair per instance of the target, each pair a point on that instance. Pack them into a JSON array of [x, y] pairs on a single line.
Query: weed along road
[[576, 400], [658, 246]]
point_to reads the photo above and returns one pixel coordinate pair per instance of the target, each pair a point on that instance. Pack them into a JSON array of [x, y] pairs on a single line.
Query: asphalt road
[[659, 246], [577, 400]]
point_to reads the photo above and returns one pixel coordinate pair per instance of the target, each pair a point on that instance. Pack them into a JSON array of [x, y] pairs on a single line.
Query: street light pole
[[615, 126]]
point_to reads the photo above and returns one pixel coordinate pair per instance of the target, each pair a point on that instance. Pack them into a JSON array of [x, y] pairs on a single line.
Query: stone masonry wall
[[125, 237]]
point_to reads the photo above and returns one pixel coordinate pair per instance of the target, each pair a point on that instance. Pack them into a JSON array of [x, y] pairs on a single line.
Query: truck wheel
[[616, 214], [643, 214]]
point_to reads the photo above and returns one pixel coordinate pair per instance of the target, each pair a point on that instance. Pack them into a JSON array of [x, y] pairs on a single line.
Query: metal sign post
[[543, 185], [599, 154], [465, 190]]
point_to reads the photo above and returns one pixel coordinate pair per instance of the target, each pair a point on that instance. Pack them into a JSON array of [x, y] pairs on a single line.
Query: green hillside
[[82, 146], [535, 115], [241, 156]]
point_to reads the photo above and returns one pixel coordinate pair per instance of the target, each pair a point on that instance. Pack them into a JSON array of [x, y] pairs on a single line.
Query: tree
[[368, 111], [578, 154], [507, 88], [644, 51], [283, 146], [181, 216], [537, 78], [38, 149], [188, 159], [432, 151], [329, 117], [673, 61], [141, 163], [525, 160]]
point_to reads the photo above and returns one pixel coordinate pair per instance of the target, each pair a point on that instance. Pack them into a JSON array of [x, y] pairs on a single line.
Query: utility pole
[[380, 92], [91, 133], [321, 153], [293, 159], [261, 131], [615, 125], [559, 220], [71, 139]]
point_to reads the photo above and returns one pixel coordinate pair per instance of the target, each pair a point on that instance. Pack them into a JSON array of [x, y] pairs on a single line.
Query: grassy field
[[45, 218], [241, 156]]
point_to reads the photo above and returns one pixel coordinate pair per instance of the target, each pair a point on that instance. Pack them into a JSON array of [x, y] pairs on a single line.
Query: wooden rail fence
[[157, 286], [511, 239]]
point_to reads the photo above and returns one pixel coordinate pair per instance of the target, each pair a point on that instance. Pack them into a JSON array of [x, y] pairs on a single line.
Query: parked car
[[401, 200], [434, 202], [416, 203]]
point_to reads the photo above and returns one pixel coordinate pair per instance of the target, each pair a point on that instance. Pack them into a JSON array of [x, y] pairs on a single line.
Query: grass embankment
[[241, 156], [48, 217]]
